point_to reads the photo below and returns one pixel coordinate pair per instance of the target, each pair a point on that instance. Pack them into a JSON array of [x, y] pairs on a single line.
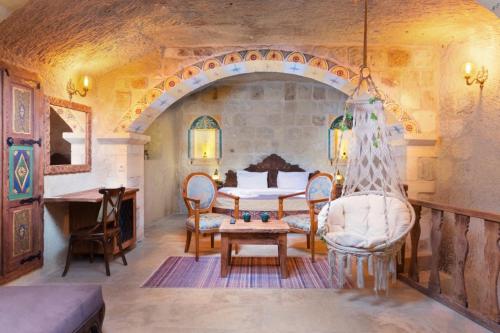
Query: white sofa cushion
[[251, 180], [292, 180], [359, 220]]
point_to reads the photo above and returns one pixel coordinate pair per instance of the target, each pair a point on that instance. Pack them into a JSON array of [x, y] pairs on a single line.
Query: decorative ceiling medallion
[[319, 63], [138, 109], [274, 55], [211, 64], [296, 57], [190, 72], [171, 82], [253, 55], [340, 71], [232, 58]]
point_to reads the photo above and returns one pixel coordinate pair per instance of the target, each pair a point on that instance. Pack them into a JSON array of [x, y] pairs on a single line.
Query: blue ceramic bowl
[[264, 216], [247, 217]]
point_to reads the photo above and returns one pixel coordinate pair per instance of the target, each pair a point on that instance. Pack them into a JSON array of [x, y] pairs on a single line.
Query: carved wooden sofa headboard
[[272, 164]]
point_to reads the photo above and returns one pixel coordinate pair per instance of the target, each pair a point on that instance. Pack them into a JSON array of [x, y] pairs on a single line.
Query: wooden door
[[22, 213]]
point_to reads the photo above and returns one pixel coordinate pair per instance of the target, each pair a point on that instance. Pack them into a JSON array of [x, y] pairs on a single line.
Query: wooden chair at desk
[[104, 231]]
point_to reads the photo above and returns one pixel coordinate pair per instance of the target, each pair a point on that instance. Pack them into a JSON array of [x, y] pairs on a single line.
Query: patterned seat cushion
[[208, 221], [299, 221]]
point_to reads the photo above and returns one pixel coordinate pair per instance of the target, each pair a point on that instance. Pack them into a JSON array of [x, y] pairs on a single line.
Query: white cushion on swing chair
[[358, 221]]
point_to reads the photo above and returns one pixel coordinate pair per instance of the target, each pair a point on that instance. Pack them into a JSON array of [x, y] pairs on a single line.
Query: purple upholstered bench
[[51, 309]]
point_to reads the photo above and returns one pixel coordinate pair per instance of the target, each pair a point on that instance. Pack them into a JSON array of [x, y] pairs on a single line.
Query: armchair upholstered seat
[[298, 221], [318, 192], [207, 221], [199, 194]]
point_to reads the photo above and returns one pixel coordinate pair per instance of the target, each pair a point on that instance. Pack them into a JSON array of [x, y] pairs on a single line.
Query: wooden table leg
[[223, 254], [282, 249], [229, 254]]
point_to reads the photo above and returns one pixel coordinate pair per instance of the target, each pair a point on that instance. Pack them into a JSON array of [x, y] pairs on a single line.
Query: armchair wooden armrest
[[281, 198], [286, 196], [224, 194], [236, 199], [312, 213], [316, 201], [195, 201]]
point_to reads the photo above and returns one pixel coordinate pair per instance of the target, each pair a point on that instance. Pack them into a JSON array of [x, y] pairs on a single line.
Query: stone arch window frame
[[336, 125], [204, 122]]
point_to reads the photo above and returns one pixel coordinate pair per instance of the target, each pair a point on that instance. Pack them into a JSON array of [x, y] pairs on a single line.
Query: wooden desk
[[273, 232], [83, 208]]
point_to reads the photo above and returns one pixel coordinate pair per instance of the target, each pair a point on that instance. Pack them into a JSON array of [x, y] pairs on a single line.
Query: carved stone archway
[[205, 72]]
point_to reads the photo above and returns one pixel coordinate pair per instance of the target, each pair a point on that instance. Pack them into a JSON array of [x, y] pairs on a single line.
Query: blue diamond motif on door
[[20, 172]]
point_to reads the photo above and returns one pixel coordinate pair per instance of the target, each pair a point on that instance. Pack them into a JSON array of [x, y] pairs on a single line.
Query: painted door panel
[[22, 199]]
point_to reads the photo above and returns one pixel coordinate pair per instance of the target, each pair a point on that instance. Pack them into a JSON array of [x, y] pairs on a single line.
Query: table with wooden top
[[255, 232], [83, 210]]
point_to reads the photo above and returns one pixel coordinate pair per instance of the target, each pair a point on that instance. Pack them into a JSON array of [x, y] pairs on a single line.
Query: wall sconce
[[215, 175], [480, 76], [339, 178], [72, 90]]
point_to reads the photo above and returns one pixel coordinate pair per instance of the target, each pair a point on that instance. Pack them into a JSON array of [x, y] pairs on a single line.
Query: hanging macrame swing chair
[[369, 223]]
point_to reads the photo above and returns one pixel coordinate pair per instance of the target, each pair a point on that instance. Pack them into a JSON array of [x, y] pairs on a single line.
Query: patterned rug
[[245, 272]]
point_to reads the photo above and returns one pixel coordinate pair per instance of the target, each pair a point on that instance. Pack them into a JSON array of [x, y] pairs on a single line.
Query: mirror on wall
[[67, 137]]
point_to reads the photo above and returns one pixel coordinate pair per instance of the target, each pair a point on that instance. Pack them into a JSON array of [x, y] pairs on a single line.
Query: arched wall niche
[[207, 71]]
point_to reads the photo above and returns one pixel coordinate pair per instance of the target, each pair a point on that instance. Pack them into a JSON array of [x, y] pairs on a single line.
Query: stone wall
[[468, 160], [260, 114], [469, 154], [161, 168]]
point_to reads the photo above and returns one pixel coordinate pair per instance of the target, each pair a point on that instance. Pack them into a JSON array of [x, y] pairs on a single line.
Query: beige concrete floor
[[132, 309]]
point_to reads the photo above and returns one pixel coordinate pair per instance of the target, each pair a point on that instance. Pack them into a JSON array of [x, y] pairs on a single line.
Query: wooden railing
[[455, 295]]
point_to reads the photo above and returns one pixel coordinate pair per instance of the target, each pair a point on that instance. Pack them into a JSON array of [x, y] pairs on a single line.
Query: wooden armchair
[[199, 193], [318, 191]]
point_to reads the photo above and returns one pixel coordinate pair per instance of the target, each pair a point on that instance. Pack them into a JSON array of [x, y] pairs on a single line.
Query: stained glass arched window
[[205, 139], [334, 132]]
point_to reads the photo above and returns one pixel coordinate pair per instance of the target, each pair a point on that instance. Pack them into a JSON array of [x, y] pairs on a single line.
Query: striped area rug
[[246, 272]]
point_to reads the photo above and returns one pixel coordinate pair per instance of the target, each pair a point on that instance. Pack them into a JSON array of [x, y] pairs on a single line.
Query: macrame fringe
[[331, 263], [348, 266], [360, 273], [341, 269], [382, 267]]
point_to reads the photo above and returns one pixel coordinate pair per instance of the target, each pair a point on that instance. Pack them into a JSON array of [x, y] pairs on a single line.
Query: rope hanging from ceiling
[[370, 221]]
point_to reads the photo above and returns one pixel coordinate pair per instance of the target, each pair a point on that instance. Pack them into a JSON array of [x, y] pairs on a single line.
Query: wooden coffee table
[[255, 232]]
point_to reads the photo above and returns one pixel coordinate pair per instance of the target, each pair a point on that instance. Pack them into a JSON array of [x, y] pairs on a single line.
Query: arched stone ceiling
[[99, 35]]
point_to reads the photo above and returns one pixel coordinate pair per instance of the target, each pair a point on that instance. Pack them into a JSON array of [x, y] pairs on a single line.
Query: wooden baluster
[[461, 247], [415, 238], [437, 223], [492, 261]]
